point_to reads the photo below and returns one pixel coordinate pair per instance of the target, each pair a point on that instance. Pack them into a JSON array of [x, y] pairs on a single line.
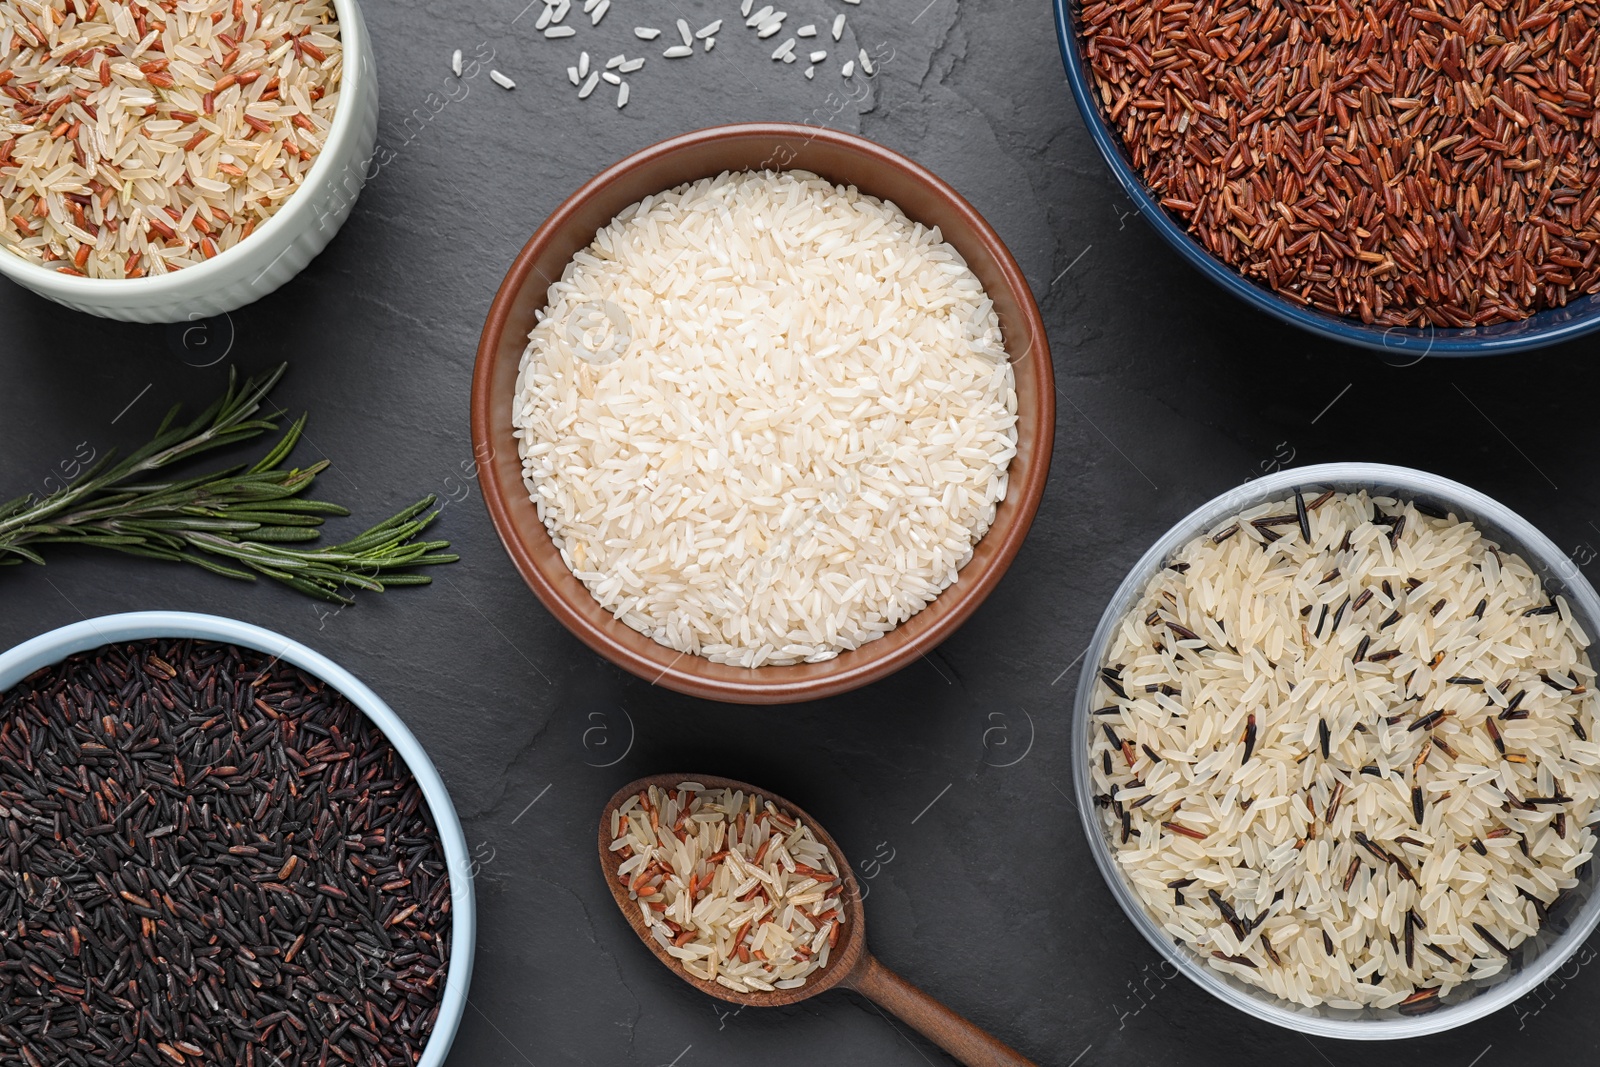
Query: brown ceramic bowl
[[845, 160]]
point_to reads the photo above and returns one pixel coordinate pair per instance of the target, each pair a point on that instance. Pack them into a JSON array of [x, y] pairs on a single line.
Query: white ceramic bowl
[[277, 251], [57, 645], [1533, 961]]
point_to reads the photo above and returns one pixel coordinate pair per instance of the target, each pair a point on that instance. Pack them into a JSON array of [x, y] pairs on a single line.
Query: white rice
[[164, 138], [1413, 685], [766, 419], [734, 889]]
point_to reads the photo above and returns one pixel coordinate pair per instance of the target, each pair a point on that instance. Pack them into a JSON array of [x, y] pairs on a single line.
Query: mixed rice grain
[[1345, 751], [738, 892], [137, 139]]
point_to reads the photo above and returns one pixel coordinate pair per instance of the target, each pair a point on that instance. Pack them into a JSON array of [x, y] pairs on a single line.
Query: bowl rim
[[1538, 551], [353, 35], [53, 646], [623, 648], [1498, 339]]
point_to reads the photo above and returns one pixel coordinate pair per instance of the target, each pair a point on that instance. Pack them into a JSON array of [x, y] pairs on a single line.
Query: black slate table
[[948, 784]]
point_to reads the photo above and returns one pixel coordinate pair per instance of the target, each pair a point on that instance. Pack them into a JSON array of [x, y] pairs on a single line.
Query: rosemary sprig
[[238, 522]]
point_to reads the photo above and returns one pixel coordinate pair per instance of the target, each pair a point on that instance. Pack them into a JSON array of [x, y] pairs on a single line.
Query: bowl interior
[[1570, 920], [851, 944], [844, 160], [55, 646], [1547, 327]]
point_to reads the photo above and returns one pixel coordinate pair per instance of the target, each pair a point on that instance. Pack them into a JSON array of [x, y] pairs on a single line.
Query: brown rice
[[141, 138]]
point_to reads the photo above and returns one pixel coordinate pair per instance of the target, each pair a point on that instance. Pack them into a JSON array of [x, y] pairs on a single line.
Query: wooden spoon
[[850, 965]]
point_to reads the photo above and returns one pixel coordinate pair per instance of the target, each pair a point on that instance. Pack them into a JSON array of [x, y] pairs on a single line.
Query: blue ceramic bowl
[[55, 646], [1580, 317]]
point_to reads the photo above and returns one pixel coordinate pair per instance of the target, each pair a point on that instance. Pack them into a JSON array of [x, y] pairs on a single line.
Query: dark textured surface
[[1169, 395]]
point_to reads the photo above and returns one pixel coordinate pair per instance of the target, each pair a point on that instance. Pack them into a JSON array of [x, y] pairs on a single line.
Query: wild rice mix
[[740, 893], [1410, 163], [1346, 750], [140, 138]]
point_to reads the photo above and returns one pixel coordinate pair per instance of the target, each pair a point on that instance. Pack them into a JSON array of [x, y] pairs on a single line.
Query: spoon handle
[[932, 1020]]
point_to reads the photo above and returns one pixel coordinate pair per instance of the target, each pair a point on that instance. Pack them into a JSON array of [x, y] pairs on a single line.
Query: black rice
[[216, 859]]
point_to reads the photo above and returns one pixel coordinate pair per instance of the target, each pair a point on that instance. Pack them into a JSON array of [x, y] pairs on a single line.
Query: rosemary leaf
[[238, 522]]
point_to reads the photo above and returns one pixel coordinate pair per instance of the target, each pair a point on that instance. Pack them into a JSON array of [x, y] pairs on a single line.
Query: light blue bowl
[[1550, 327], [57, 645]]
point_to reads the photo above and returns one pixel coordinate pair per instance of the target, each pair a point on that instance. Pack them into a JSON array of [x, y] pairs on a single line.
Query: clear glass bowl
[[1570, 921]]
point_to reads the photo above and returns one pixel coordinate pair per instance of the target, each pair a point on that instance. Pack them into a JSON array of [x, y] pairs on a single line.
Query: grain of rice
[[708, 29], [556, 32], [588, 86], [1422, 165], [455, 62], [612, 78], [798, 438], [838, 27], [747, 896], [622, 95], [866, 62], [646, 33], [818, 56], [808, 30], [711, 42], [678, 51], [848, 69], [501, 80], [632, 65], [683, 31], [599, 12], [769, 29], [140, 145], [1220, 699], [616, 61], [784, 49]]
